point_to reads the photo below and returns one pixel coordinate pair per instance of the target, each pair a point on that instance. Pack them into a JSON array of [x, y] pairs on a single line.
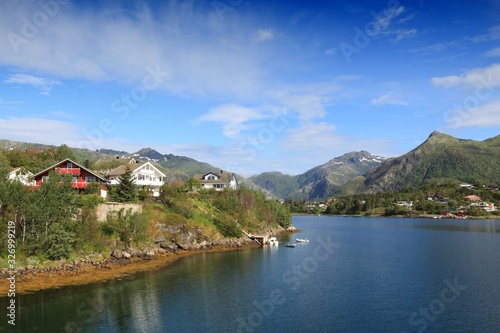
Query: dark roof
[[224, 177]]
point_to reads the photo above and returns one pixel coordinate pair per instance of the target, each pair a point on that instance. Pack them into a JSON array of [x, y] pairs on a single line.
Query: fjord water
[[355, 275]]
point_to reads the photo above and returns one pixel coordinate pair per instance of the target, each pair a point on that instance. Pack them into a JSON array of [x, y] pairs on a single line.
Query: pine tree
[[126, 190]]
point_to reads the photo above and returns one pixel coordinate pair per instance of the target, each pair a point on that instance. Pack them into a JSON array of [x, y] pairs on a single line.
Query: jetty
[[260, 239]]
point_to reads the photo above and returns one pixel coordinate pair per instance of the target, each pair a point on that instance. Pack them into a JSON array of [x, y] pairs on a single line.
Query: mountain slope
[[321, 181], [441, 156]]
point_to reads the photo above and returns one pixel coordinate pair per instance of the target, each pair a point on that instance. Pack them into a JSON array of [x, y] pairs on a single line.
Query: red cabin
[[81, 175]]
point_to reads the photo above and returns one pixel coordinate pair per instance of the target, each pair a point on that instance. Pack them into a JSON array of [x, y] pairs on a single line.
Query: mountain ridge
[[440, 156], [321, 181]]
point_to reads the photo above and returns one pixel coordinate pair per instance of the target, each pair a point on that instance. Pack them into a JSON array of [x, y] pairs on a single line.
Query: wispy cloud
[[42, 84], [492, 34], [233, 118], [481, 116], [387, 20], [401, 34], [40, 130], [493, 52], [387, 99], [216, 60], [434, 48], [9, 104], [486, 77], [264, 35], [331, 51]]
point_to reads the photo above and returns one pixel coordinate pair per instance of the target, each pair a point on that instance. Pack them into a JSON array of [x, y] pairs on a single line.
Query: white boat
[[289, 245], [273, 241], [302, 240]]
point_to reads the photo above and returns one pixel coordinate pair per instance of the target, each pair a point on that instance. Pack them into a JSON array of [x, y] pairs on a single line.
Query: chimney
[[222, 171], [86, 164]]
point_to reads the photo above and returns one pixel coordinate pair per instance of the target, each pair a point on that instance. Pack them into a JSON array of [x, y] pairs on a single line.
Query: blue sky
[[249, 86]]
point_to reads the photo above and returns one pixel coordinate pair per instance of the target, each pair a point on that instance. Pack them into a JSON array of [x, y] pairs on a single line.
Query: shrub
[[227, 226], [58, 243]]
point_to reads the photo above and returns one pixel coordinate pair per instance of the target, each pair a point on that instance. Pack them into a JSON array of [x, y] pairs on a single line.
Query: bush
[[58, 243], [227, 226]]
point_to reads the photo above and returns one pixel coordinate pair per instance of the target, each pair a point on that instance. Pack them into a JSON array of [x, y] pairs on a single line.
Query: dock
[[260, 239]]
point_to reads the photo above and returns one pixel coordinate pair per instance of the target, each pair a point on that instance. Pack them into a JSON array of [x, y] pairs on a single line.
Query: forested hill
[[440, 157]]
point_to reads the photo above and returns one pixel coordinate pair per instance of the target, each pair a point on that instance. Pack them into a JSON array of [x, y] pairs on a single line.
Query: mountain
[[440, 157], [321, 181]]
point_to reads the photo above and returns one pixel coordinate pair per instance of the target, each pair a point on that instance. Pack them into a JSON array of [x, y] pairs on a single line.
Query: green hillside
[[441, 156]]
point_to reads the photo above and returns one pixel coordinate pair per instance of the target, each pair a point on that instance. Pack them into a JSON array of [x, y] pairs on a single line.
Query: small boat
[[302, 240], [289, 245], [272, 241]]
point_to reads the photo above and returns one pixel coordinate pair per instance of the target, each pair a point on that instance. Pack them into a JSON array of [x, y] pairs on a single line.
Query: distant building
[[218, 181], [473, 197], [406, 204], [487, 206]]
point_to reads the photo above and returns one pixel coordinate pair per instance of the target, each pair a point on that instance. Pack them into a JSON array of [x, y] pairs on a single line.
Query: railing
[[69, 171]]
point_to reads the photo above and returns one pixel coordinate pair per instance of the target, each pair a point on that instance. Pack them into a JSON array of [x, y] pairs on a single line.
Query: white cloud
[[385, 20], [387, 99], [313, 137], [484, 77], [404, 34], [264, 35], [202, 55], [482, 116], [40, 130], [494, 52], [233, 118], [45, 85]]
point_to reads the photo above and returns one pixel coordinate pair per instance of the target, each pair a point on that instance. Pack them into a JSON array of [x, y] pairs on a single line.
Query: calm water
[[355, 275]]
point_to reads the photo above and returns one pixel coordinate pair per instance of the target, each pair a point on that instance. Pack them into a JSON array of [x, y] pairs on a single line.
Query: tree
[[126, 190], [64, 152], [193, 184]]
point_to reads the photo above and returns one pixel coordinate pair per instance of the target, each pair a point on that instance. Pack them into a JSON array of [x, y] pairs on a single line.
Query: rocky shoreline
[[120, 263]]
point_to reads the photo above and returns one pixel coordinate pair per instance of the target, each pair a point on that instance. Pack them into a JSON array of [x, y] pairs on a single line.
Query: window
[[69, 165], [45, 178], [74, 179], [90, 179]]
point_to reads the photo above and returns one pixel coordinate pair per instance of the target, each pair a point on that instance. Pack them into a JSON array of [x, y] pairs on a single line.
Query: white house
[[24, 176], [143, 174], [487, 206], [406, 204], [218, 181]]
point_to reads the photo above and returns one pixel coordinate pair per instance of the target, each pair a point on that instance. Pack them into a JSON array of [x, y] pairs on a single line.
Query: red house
[[81, 175]]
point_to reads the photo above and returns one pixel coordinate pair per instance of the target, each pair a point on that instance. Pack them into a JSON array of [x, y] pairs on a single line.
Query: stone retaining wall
[[105, 208]]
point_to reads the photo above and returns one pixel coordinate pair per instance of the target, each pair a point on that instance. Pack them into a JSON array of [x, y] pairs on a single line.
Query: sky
[[249, 86]]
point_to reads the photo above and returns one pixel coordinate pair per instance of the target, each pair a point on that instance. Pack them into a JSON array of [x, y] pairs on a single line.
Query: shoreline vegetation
[[65, 273], [82, 271]]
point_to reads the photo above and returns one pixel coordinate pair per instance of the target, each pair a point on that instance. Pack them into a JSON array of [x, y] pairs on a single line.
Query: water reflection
[[467, 225]]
